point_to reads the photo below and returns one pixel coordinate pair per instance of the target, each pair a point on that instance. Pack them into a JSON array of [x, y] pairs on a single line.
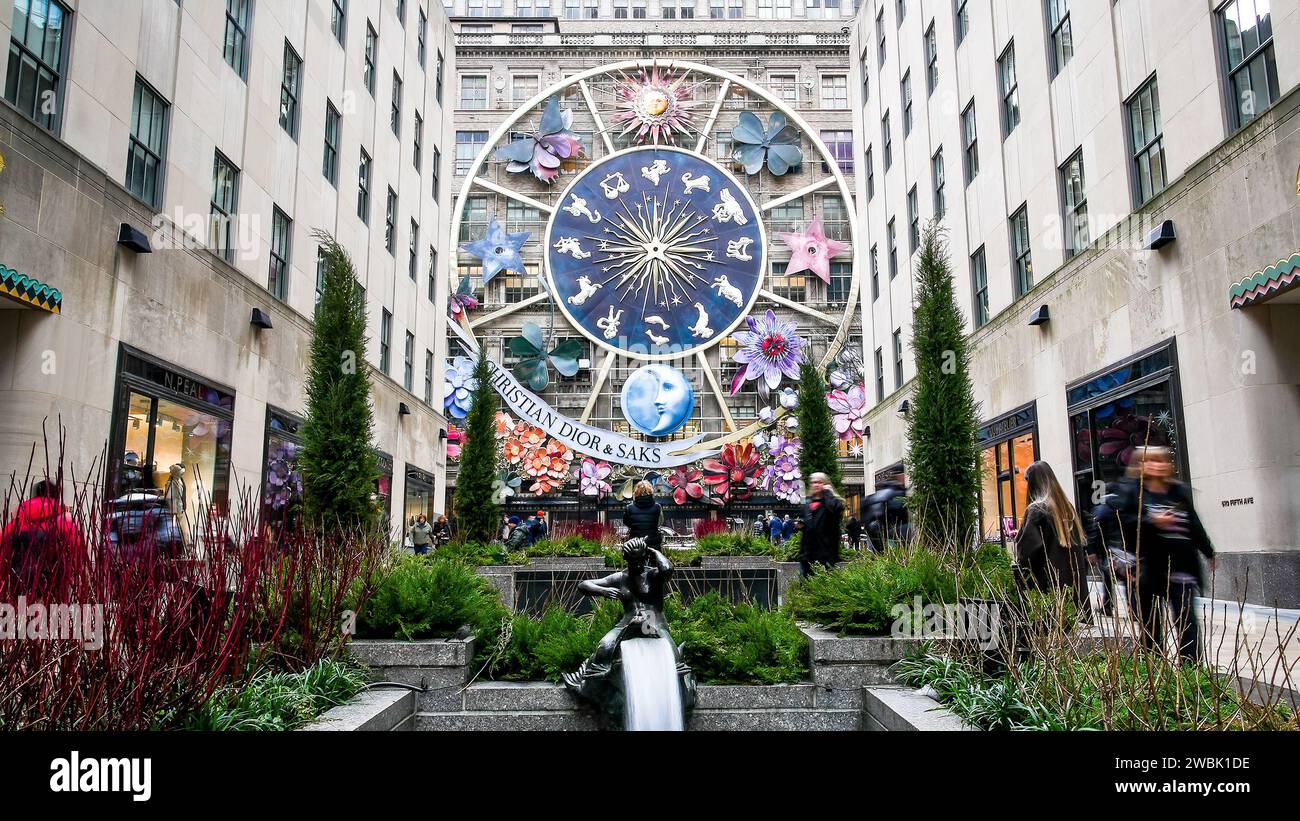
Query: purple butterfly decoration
[[463, 301]]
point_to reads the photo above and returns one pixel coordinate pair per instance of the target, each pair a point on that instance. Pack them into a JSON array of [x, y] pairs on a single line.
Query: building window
[[428, 377], [735, 9], [880, 375], [840, 146], [413, 249], [785, 86], [320, 276], [936, 171], [330, 160], [1008, 86], [339, 20], [437, 78], [468, 144], [475, 220], [363, 187], [970, 143], [914, 219], [875, 274], [898, 358], [1075, 201], [1008, 445], [368, 68], [791, 286], [717, 9], [835, 91], [408, 362], [880, 38], [225, 196], [524, 87], [473, 91], [1062, 41], [235, 47], [905, 91], [573, 9], [961, 21], [871, 174], [436, 172], [277, 281], [1147, 133], [1024, 266], [385, 339], [433, 274], [893, 249], [931, 60], [866, 80], [144, 155], [417, 153], [902, 12], [979, 281], [289, 91], [887, 141], [620, 9], [419, 38], [787, 216], [34, 83], [837, 290], [395, 114], [1247, 29], [390, 223]]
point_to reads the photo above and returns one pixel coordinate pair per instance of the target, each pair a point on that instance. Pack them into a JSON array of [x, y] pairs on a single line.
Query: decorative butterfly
[[463, 301]]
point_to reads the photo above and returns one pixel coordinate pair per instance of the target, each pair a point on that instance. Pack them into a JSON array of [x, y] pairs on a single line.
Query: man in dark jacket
[[887, 512], [643, 516], [1107, 551], [537, 529], [854, 529], [820, 526], [518, 538]]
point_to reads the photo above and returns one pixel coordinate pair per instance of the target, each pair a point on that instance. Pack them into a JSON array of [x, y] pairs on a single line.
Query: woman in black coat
[[1050, 542], [1167, 535], [820, 526], [643, 515]]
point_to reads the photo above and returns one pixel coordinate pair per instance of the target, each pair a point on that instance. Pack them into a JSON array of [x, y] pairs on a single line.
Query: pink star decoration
[[811, 250]]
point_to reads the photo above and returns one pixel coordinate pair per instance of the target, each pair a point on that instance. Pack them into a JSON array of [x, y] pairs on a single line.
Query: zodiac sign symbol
[[658, 340], [728, 291], [701, 329], [587, 289], [613, 185], [571, 246], [609, 324], [578, 208], [654, 171], [694, 183], [729, 209], [656, 320], [739, 248]]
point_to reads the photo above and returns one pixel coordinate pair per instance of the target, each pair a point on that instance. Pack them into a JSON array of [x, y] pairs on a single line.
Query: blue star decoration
[[499, 250]]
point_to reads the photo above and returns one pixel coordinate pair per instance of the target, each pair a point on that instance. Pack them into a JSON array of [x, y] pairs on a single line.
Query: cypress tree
[[943, 445], [477, 512], [818, 452], [338, 461]]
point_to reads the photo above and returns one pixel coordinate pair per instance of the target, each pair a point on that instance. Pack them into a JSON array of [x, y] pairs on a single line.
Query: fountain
[[636, 674]]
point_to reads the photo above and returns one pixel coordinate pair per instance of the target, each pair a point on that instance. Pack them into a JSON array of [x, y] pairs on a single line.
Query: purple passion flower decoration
[[770, 349]]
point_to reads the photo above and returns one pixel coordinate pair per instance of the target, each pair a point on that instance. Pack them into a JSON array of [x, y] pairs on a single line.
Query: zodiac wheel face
[[655, 252]]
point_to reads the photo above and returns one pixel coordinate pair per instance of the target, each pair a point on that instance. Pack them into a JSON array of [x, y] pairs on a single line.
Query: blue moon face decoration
[[655, 252], [657, 400]]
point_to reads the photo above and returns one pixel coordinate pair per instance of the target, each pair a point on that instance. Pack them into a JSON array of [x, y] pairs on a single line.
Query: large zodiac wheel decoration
[[651, 208]]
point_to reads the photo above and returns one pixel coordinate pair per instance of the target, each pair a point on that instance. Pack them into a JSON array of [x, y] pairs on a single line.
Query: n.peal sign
[[600, 444]]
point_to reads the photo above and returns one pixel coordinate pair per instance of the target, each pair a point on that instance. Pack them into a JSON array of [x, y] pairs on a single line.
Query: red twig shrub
[[602, 532], [114, 633], [708, 527]]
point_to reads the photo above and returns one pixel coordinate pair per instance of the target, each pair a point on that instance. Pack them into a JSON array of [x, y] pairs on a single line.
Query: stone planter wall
[[895, 709], [371, 710], [441, 666]]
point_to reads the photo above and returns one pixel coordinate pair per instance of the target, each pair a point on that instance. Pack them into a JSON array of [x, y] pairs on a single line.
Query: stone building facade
[[165, 166], [504, 62], [1051, 143]]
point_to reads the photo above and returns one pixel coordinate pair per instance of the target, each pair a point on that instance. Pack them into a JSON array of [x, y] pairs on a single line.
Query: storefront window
[[419, 495], [384, 483], [1111, 415], [172, 434], [282, 478], [1010, 444]]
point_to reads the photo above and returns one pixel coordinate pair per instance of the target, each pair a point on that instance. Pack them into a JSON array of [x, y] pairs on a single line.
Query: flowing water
[[654, 699]]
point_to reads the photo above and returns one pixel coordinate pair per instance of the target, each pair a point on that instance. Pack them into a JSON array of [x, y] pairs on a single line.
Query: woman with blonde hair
[[1050, 541], [644, 515]]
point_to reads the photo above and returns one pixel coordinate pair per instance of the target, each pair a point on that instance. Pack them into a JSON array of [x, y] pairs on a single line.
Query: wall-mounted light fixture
[[403, 409], [1040, 316], [905, 408], [128, 236], [1161, 235], [261, 320]]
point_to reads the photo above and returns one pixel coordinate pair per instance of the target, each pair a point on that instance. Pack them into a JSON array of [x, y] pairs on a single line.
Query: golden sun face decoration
[[656, 106]]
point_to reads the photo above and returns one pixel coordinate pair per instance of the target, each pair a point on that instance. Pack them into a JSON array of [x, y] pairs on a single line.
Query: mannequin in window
[[175, 496]]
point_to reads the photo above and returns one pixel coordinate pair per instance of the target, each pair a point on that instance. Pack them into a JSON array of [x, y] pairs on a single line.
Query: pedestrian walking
[[787, 528], [40, 539], [854, 530], [421, 535], [517, 538], [441, 531], [1167, 537], [1108, 553], [820, 526], [537, 529], [1049, 543], [774, 528], [643, 516]]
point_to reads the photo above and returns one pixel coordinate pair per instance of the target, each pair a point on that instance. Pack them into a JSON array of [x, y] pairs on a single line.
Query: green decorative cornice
[[29, 290], [1278, 277]]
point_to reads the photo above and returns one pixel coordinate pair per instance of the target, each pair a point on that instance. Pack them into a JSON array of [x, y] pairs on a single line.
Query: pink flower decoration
[[685, 482], [592, 478], [850, 412], [812, 250]]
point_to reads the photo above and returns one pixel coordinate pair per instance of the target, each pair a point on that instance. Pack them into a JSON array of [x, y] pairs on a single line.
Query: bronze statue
[[641, 589]]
